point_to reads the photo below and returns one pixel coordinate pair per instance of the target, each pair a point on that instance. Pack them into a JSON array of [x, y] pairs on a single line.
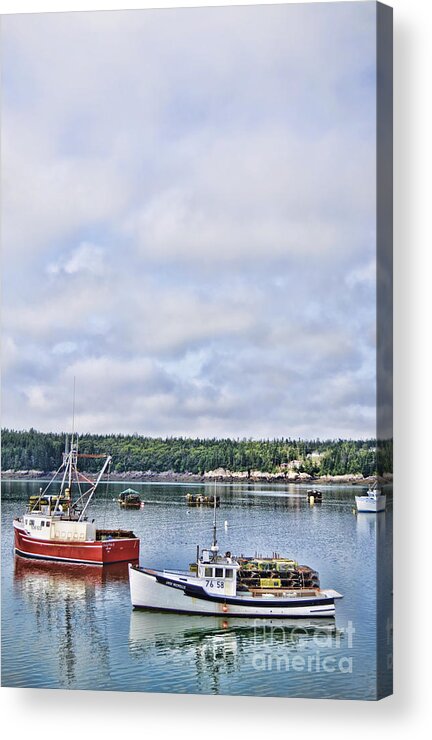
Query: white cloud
[[47, 194], [189, 219], [364, 274], [86, 257], [9, 353], [64, 348]]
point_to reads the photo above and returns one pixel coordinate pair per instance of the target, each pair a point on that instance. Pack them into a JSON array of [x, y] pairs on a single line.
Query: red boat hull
[[95, 553]]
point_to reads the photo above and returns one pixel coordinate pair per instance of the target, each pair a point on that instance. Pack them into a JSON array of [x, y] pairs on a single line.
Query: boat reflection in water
[[373, 528], [216, 649], [67, 601], [43, 575]]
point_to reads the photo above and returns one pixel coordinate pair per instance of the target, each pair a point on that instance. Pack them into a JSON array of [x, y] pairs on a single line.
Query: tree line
[[33, 450]]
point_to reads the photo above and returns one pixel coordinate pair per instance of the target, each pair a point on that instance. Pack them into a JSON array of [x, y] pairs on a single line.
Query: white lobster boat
[[374, 501], [213, 589]]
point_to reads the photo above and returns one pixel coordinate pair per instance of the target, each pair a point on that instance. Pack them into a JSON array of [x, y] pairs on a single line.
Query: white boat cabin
[[219, 574], [48, 518], [52, 527], [374, 494]]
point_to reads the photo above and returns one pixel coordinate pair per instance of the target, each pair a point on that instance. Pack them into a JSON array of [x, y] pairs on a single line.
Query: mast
[[72, 439], [69, 474], [215, 546], [91, 491]]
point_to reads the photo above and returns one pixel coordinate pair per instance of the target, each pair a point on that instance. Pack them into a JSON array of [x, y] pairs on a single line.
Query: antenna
[[71, 459], [214, 546], [73, 412]]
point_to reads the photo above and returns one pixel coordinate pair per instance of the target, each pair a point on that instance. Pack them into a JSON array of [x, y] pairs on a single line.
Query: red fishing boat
[[55, 526]]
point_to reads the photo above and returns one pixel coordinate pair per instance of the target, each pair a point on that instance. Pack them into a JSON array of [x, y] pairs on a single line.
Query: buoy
[[224, 608], [311, 500], [226, 524]]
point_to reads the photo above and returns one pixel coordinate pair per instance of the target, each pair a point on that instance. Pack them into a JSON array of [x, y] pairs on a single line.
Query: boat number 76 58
[[212, 584]]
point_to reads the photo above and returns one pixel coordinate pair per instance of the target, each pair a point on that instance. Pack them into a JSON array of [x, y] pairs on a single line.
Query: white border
[[80, 714]]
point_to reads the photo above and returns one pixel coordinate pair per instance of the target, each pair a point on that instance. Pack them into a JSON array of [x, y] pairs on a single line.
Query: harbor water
[[72, 626]]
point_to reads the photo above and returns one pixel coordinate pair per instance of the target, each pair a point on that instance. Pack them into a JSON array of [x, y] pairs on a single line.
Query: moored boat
[[130, 499], [314, 496], [215, 586], [199, 499], [55, 526], [373, 502]]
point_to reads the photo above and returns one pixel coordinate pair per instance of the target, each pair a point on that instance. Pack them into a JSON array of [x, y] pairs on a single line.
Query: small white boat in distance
[[212, 588], [373, 501]]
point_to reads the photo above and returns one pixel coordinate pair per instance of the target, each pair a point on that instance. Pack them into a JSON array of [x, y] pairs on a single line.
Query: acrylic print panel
[[197, 434]]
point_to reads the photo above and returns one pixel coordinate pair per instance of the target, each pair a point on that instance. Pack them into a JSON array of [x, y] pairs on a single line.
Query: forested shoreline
[[39, 451]]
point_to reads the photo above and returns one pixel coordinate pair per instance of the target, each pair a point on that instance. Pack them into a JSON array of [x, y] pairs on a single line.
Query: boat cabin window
[[218, 573], [47, 524], [31, 522], [42, 523]]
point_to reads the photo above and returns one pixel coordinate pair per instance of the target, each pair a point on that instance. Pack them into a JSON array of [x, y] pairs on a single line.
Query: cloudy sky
[[188, 221]]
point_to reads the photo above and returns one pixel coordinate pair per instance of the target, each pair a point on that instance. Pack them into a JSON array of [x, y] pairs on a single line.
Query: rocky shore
[[221, 475]]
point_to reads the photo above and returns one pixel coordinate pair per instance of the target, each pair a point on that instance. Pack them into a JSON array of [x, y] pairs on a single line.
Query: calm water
[[72, 626]]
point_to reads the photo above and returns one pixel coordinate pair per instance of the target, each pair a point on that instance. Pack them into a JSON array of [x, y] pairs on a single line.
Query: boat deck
[[115, 534], [282, 592]]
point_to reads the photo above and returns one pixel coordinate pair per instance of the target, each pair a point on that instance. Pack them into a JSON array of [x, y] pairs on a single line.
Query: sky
[[188, 221]]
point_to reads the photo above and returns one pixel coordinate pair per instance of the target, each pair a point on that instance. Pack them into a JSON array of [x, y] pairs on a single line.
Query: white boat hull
[[367, 503], [162, 591]]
